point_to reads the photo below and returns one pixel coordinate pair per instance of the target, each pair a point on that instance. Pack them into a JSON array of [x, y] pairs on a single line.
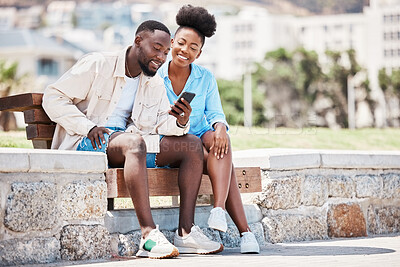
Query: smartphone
[[188, 96]]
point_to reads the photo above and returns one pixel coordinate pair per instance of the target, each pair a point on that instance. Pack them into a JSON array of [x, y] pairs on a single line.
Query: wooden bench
[[162, 182]]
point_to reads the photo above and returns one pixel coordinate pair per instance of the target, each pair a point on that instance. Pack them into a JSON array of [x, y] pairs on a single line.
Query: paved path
[[371, 251]]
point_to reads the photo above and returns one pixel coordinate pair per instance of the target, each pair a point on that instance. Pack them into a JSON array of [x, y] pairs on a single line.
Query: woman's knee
[[194, 143]]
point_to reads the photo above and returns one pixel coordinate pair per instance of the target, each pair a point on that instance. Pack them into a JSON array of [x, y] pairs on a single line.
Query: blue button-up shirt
[[206, 105]]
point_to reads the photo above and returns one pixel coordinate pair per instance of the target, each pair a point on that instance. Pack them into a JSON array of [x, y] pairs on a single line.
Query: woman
[[207, 120]]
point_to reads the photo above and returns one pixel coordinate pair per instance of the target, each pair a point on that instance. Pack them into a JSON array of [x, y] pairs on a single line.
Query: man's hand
[[96, 135], [182, 110], [220, 144]]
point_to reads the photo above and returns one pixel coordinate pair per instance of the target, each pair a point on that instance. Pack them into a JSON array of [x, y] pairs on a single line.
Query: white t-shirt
[[123, 110]]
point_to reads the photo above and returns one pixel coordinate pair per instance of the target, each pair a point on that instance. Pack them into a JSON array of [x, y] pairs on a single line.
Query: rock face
[[383, 220], [346, 220], [281, 193], [29, 251], [84, 200], [84, 242], [294, 227], [340, 186], [314, 191], [31, 207]]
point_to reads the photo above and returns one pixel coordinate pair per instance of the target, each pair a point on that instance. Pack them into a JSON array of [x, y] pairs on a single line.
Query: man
[[112, 102]]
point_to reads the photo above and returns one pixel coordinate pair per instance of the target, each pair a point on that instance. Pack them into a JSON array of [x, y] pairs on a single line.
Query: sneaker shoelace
[[158, 237], [196, 232]]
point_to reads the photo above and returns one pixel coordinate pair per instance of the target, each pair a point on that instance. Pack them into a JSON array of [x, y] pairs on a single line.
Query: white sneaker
[[217, 219], [248, 243], [156, 246], [196, 243]]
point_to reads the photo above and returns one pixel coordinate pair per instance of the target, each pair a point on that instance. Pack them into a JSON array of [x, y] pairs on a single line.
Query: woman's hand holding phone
[[181, 109]]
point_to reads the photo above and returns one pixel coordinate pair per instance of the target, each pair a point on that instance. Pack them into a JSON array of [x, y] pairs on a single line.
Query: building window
[[385, 18], [47, 67]]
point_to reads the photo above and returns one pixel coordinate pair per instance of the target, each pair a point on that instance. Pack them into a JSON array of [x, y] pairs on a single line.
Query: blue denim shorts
[[86, 145]]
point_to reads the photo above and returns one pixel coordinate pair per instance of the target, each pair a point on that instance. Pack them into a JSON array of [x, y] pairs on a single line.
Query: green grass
[[14, 139], [249, 138], [315, 138]]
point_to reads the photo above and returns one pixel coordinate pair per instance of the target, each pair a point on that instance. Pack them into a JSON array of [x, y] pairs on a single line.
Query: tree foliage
[[293, 80], [231, 93], [389, 82]]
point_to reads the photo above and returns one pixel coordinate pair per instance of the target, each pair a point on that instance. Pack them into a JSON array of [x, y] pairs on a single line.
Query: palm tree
[[9, 82]]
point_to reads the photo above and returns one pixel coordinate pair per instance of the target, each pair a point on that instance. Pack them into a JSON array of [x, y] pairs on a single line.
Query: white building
[[8, 17], [383, 38], [42, 58], [61, 14], [239, 40], [334, 32]]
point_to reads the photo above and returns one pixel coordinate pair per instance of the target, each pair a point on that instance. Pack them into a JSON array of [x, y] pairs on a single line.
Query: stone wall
[[52, 206], [53, 203]]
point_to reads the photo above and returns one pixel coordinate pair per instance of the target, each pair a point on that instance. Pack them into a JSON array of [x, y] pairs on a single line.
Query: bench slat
[[164, 182], [36, 116], [21, 102], [40, 131]]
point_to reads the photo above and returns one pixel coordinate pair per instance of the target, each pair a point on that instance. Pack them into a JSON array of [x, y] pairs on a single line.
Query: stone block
[[383, 220], [391, 185], [31, 207], [84, 200], [231, 238], [277, 159], [29, 251], [341, 186], [212, 234], [18, 157], [125, 221], [346, 220], [291, 160], [85, 242], [368, 185], [314, 191], [45, 160], [360, 159], [294, 227], [128, 244], [283, 193]]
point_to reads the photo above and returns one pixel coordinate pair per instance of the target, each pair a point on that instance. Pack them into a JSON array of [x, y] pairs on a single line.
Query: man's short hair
[[152, 25]]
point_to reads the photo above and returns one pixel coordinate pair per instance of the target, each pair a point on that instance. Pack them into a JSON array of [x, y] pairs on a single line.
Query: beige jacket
[[87, 94]]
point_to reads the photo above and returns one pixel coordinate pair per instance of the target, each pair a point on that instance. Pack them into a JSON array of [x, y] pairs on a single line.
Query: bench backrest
[[40, 128]]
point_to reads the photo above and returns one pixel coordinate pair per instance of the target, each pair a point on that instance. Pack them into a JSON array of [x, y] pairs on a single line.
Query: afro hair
[[197, 18]]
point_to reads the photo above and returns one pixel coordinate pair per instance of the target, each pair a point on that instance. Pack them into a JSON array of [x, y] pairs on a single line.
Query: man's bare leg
[[129, 151], [185, 152]]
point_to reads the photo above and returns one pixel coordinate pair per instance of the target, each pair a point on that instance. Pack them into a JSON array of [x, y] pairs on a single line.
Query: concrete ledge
[[291, 159], [124, 221], [46, 160], [360, 159]]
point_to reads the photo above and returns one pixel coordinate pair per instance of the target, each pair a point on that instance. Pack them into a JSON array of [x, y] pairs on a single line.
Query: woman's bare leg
[[219, 171], [234, 205], [227, 197]]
